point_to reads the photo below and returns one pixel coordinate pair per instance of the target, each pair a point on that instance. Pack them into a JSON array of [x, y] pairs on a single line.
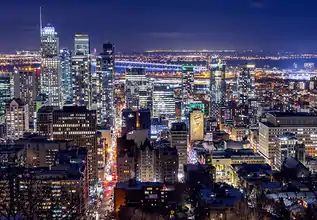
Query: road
[[106, 205]]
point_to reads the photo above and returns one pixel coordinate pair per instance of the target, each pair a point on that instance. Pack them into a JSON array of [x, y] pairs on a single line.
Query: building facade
[[50, 82], [17, 118]]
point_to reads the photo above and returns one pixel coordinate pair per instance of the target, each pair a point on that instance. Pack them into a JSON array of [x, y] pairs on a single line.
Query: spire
[[41, 26]]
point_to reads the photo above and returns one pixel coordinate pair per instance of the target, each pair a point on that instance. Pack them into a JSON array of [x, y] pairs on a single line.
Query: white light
[[180, 176]]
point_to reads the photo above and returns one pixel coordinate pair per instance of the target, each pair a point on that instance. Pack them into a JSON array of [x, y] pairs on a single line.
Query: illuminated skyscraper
[[50, 65], [26, 84], [187, 89], [17, 118], [106, 63], [217, 89], [96, 87], [245, 84], [163, 101], [6, 92], [137, 89], [179, 140], [81, 72], [82, 44], [66, 74]]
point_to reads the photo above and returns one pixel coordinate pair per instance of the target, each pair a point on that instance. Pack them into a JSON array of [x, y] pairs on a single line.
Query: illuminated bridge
[[121, 66]]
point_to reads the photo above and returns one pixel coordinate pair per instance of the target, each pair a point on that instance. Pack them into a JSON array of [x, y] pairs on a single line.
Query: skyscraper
[[76, 124], [6, 92], [50, 65], [137, 89], [82, 44], [163, 101], [17, 118], [106, 63], [187, 89], [26, 86], [66, 74], [217, 89], [81, 72], [179, 141], [245, 84]]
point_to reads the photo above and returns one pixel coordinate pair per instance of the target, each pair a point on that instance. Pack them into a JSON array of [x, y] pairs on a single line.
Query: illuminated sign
[[200, 106], [196, 125]]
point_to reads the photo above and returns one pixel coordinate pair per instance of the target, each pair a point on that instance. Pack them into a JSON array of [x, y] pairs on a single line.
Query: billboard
[[196, 125]]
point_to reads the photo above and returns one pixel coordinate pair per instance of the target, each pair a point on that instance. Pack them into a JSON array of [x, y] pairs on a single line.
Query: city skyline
[[138, 26]]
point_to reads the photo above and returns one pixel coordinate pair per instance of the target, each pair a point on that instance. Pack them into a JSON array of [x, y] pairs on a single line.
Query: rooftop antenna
[[41, 20]]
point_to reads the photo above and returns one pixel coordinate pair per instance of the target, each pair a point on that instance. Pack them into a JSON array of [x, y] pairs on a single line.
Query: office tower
[[167, 165], [179, 141], [17, 118], [137, 89], [187, 89], [126, 159], [146, 169], [163, 102], [66, 75], [135, 120], [289, 146], [6, 92], [81, 72], [50, 65], [54, 192], [40, 152], [119, 100], [304, 125], [82, 44], [245, 84], [97, 94], [26, 86], [106, 67], [196, 125], [217, 89], [76, 124], [253, 114], [178, 103], [44, 125]]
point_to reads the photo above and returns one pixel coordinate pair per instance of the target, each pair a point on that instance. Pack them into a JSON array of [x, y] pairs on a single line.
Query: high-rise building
[[289, 146], [187, 89], [17, 118], [137, 89], [245, 84], [135, 120], [6, 92], [126, 159], [82, 44], [106, 67], [76, 124], [119, 100], [97, 94], [146, 169], [66, 75], [163, 102], [196, 125], [50, 65], [217, 89], [26, 86], [167, 165], [304, 125], [179, 140], [81, 72]]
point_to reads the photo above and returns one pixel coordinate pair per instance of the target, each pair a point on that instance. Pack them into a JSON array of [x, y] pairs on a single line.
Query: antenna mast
[[41, 20]]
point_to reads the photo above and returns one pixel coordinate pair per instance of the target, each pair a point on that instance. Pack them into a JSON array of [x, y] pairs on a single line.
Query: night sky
[[136, 25]]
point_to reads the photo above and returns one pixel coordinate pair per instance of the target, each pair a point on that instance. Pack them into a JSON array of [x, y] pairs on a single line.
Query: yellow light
[[109, 150]]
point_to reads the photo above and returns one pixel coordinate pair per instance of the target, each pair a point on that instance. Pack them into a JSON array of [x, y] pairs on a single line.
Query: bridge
[[154, 67]]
